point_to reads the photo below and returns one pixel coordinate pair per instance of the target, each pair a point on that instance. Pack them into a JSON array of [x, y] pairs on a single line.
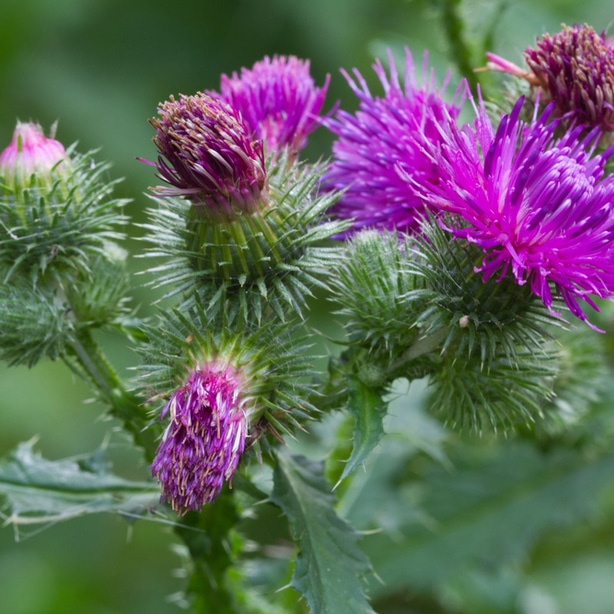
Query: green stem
[[207, 537], [455, 33], [124, 405], [423, 346]]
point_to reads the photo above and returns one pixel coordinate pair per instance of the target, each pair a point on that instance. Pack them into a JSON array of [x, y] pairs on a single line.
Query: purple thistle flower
[[207, 154], [538, 206], [382, 139], [204, 441], [278, 100]]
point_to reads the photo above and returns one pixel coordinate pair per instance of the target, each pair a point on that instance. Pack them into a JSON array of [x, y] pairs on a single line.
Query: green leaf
[[368, 408], [330, 567], [488, 512], [40, 491]]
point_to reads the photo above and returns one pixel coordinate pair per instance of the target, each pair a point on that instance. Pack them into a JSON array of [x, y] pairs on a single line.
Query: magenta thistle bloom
[[538, 206], [381, 140], [30, 152], [204, 441], [208, 155], [278, 100]]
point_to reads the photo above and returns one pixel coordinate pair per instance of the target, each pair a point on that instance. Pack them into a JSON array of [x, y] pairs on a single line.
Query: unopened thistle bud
[[31, 159], [228, 221], [207, 155], [278, 100], [205, 437], [55, 206], [575, 68]]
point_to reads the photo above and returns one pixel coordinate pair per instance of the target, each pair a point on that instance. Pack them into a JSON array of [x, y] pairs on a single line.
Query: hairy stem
[[460, 52], [207, 537], [424, 345], [124, 405]]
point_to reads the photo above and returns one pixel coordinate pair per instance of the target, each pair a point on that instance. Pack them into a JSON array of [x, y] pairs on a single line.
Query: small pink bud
[[30, 153]]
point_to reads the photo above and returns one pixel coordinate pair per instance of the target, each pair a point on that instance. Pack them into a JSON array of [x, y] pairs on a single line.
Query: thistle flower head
[[383, 138], [31, 157], [278, 100], [207, 154], [56, 209], [226, 385], [205, 437], [575, 67], [539, 207]]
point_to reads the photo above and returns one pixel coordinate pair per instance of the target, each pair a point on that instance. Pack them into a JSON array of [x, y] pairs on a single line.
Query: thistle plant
[[446, 248]]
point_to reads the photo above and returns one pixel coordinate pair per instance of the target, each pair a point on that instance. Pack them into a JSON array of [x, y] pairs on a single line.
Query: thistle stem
[[124, 405], [455, 33], [207, 537], [423, 346]]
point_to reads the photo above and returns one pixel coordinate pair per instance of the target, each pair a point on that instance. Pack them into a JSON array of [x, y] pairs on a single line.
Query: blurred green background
[[100, 67]]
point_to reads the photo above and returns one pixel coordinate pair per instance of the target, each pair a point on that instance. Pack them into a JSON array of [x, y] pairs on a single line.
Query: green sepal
[[483, 318], [508, 394], [380, 291], [100, 297]]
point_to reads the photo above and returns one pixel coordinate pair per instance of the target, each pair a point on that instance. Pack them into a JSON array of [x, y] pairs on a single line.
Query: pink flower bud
[[30, 157]]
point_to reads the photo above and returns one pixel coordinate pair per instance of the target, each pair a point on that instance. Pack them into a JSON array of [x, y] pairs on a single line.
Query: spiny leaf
[[368, 408], [330, 567], [41, 491]]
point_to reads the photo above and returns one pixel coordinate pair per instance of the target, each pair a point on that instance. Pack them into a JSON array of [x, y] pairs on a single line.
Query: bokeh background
[[99, 68]]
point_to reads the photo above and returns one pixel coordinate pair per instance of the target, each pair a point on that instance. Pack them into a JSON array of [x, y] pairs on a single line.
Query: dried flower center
[[208, 156], [575, 68]]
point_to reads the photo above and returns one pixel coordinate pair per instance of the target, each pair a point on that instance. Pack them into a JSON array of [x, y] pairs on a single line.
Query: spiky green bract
[[487, 318], [382, 295], [271, 359], [33, 324], [57, 228], [408, 299], [100, 296], [377, 286], [267, 259], [507, 394], [38, 321], [580, 379]]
